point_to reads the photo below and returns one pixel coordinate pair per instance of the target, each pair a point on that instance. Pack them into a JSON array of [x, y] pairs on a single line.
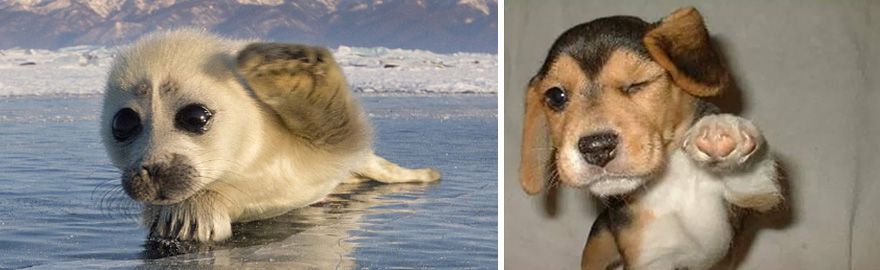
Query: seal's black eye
[[555, 98], [193, 118], [126, 124]]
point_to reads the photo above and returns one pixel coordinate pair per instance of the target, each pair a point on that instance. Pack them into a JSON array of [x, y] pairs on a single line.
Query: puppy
[[616, 109], [208, 131]]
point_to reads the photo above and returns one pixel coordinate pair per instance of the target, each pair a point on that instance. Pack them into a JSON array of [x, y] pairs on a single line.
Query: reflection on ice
[[313, 237]]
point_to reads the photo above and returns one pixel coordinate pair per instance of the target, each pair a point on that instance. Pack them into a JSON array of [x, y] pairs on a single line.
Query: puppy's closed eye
[[635, 87], [639, 84]]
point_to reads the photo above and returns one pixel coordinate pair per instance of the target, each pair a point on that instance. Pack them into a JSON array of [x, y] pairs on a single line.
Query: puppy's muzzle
[[598, 149]]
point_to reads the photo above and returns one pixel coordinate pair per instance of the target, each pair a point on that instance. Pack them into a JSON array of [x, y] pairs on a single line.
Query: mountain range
[[443, 26]]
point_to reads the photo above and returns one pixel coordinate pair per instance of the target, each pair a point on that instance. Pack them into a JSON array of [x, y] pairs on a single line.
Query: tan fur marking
[[567, 73], [650, 118], [760, 202], [625, 68], [629, 239], [600, 251], [535, 147], [535, 152], [639, 115], [660, 98]]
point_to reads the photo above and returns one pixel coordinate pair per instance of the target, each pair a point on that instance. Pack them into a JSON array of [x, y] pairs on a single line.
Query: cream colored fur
[[681, 219], [285, 131], [689, 202]]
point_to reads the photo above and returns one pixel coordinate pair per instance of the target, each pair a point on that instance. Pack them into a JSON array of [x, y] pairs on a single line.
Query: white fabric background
[[808, 71]]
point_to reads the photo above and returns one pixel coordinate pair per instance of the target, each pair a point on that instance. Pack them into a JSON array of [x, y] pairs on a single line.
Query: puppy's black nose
[[598, 149]]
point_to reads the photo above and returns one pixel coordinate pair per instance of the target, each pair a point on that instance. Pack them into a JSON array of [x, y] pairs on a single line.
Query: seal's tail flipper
[[382, 170]]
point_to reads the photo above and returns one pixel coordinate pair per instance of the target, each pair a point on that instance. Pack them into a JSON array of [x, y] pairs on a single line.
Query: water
[[58, 208]]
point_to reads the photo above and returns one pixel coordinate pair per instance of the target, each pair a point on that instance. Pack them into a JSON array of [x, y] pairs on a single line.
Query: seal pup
[[208, 131]]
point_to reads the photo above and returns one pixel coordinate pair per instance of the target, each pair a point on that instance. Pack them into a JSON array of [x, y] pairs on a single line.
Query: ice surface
[[61, 206], [81, 70]]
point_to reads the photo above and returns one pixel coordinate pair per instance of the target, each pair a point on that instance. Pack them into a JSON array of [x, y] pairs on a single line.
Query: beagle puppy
[[616, 109]]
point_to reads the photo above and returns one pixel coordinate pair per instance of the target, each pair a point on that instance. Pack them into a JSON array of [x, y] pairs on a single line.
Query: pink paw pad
[[719, 142]]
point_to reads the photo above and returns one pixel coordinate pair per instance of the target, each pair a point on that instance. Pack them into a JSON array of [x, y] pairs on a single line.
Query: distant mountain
[[436, 25]]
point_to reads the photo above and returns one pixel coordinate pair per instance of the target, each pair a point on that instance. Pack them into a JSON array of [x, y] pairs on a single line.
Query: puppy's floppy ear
[[535, 151], [680, 44]]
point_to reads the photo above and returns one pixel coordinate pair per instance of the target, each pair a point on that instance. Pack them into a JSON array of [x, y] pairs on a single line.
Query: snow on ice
[[82, 70]]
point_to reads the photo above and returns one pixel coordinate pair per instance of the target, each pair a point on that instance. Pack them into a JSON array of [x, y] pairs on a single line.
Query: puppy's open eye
[[555, 98], [193, 118], [126, 124]]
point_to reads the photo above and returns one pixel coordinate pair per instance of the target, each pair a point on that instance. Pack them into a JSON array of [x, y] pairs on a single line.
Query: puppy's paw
[[723, 143], [188, 221]]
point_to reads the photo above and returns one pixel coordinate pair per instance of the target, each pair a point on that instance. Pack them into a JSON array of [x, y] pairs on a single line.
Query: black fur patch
[[702, 64], [593, 42], [619, 215], [600, 225], [704, 108]]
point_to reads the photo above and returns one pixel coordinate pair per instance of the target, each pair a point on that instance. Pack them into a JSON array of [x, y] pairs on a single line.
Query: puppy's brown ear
[[680, 44], [535, 150]]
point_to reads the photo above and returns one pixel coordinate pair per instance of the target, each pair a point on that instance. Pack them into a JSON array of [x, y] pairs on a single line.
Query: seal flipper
[[305, 87], [382, 170]]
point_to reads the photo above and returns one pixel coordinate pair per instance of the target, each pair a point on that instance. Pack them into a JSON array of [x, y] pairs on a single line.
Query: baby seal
[[208, 131]]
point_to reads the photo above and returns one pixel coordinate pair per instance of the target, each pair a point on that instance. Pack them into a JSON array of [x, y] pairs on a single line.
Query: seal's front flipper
[[382, 170], [305, 87]]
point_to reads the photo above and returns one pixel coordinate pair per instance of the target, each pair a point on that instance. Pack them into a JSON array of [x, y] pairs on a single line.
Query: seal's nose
[[138, 184], [598, 149], [144, 172]]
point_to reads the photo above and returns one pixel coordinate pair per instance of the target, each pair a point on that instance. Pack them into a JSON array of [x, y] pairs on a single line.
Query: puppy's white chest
[[690, 227]]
